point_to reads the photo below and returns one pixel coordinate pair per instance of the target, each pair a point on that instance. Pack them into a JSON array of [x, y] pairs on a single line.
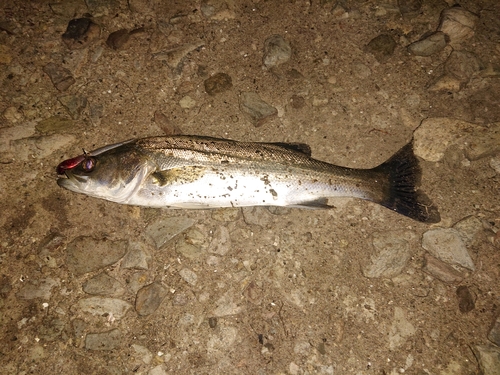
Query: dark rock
[[104, 341], [149, 298], [87, 254], [80, 33], [465, 299], [117, 39], [382, 47], [297, 102], [218, 83], [166, 125], [494, 334], [409, 8], [50, 329], [61, 77]]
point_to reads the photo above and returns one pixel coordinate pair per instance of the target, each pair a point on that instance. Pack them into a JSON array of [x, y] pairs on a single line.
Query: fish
[[198, 172]]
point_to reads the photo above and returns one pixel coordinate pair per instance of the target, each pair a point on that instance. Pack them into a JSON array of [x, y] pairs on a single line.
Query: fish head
[[113, 173]]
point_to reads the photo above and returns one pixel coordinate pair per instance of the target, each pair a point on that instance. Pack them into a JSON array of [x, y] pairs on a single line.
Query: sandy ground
[[252, 291]]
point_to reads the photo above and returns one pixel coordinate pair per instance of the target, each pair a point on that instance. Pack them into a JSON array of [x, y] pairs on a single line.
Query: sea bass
[[202, 172]]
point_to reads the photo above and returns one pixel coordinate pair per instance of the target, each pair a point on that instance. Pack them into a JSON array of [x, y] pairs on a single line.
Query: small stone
[[54, 124], [392, 254], [488, 357], [446, 244], [103, 306], [117, 39], [400, 330], [61, 77], [297, 102], [429, 45], [218, 83], [441, 270], [276, 51], [225, 306], [5, 285], [257, 110], [465, 299], [188, 276], [188, 250], [87, 254], [187, 102], [103, 285], [158, 370], [149, 298], [68, 8], [143, 352], [138, 257], [445, 83], [458, 24], [174, 57], [37, 289], [221, 242], [409, 8], [136, 281], [212, 322], [104, 341], [360, 70], [166, 125], [382, 47], [5, 55], [164, 229], [80, 33], [256, 216], [494, 334], [495, 164], [483, 142], [73, 104], [468, 228], [12, 115], [462, 65], [51, 329]]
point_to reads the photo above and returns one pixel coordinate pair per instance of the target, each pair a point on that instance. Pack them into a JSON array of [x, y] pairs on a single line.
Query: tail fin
[[402, 196]]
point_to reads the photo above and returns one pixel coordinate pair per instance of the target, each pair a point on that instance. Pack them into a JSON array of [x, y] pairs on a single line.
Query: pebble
[[445, 83], [382, 47], [446, 244], [494, 333], [462, 65], [222, 341], [103, 285], [165, 124], [458, 24], [256, 109], [495, 164], [12, 115], [188, 276], [143, 352], [37, 289], [158, 370], [225, 306], [61, 77], [117, 39], [400, 330], [392, 252], [466, 301], [256, 216], [429, 45], [68, 8], [39, 147], [136, 281], [441, 270], [187, 102], [277, 51], [468, 228], [149, 298], [192, 244], [104, 341], [174, 57], [50, 329], [218, 83], [164, 229], [74, 104], [488, 357], [409, 8], [138, 256], [483, 142], [361, 70], [221, 241], [87, 254], [54, 124], [104, 306], [80, 33]]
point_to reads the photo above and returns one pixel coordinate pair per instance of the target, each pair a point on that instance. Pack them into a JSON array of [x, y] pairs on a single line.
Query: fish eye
[[88, 164]]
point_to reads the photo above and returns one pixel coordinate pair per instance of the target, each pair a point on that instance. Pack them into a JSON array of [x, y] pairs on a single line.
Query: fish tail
[[402, 194]]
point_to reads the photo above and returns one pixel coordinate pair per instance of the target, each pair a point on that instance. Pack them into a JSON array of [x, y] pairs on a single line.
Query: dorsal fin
[[299, 147]]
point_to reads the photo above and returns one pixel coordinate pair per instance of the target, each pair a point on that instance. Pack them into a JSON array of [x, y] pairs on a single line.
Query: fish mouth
[[71, 181]]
